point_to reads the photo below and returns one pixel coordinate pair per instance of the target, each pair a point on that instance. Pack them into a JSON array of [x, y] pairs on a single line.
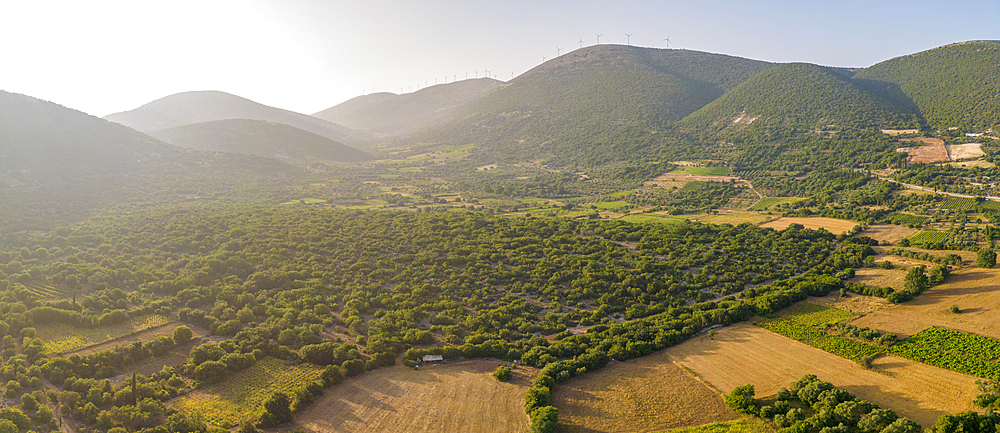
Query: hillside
[[58, 165], [205, 106], [800, 94], [258, 137], [595, 105], [953, 86], [389, 114]]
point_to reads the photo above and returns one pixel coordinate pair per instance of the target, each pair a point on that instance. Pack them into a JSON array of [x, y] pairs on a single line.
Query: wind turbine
[[629, 36], [598, 39], [477, 74], [558, 50], [668, 41], [581, 42], [543, 59]]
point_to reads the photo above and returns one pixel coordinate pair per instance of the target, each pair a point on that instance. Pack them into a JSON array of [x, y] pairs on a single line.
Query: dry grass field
[[743, 353], [833, 225], [888, 234], [461, 397], [900, 131], [959, 152], [975, 291], [932, 150], [735, 217], [639, 395], [877, 277]]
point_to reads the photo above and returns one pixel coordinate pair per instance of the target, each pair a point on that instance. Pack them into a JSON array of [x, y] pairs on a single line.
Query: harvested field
[[439, 398], [975, 291], [958, 152], [932, 150], [876, 277], [969, 164], [745, 353], [888, 233], [734, 217], [833, 225], [639, 395]]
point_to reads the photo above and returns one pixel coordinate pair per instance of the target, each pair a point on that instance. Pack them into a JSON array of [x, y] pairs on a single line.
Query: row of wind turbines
[[489, 74], [628, 39]]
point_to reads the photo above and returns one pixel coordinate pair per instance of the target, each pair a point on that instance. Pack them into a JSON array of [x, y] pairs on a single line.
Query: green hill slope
[[389, 114], [594, 105], [953, 86], [58, 165], [195, 107], [258, 137], [800, 95]]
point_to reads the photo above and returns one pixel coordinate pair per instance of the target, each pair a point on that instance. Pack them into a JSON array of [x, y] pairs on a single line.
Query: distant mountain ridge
[[389, 115], [258, 137], [205, 106]]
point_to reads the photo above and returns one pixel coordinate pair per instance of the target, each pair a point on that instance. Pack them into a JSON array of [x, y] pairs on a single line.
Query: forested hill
[[42, 142], [593, 105], [258, 137], [800, 94], [58, 165], [389, 114], [953, 86], [196, 107]]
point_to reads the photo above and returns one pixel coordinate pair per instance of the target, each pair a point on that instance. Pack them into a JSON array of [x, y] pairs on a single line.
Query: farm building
[[432, 358]]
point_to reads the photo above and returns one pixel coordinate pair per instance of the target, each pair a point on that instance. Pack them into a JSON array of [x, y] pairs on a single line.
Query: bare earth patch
[[744, 353], [650, 393], [461, 397], [833, 225], [888, 233], [975, 291], [900, 131], [876, 277], [959, 152], [933, 150]]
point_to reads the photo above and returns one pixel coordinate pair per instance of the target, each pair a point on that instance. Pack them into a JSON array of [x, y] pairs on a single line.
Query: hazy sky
[[107, 56]]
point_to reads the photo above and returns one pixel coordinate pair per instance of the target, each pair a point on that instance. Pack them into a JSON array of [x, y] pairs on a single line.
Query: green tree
[[182, 334], [987, 258], [544, 419], [741, 399], [279, 406], [503, 374]]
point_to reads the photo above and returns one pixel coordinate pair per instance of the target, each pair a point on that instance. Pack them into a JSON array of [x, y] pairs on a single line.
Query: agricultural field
[[887, 234], [241, 396], [809, 314], [959, 351], [932, 150], [644, 394], [958, 203], [46, 292], [734, 218], [832, 225], [769, 203], [307, 200], [150, 334], [905, 219], [654, 218], [61, 337], [746, 425], [973, 290], [743, 353], [878, 277], [703, 171], [446, 398], [958, 152], [843, 347], [928, 237]]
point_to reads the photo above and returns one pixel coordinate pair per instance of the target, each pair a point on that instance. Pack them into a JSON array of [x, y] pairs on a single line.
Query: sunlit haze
[[108, 56]]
